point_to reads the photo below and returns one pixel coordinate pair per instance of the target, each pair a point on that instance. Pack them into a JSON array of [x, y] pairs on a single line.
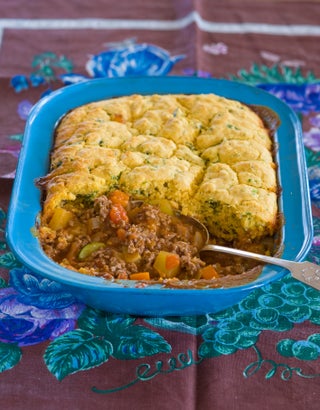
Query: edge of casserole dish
[[25, 204]]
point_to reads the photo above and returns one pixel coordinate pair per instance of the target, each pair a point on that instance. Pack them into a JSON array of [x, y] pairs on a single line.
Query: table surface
[[56, 353]]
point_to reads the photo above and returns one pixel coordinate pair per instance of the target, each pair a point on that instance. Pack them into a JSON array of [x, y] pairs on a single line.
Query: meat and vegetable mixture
[[116, 237]]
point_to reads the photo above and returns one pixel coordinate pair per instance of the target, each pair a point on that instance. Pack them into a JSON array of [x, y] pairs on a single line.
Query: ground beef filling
[[116, 237], [117, 241]]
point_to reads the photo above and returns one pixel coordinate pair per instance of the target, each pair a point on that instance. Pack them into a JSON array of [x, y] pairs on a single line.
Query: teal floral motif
[[226, 338], [314, 254], [129, 340], [16, 137], [100, 336], [46, 68], [278, 73], [3, 283], [277, 307], [194, 325], [312, 157], [301, 349], [74, 351], [8, 261], [3, 244], [145, 371], [10, 355], [286, 371]]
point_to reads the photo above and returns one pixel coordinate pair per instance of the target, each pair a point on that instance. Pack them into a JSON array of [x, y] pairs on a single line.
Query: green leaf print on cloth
[[10, 355], [100, 336], [74, 351], [278, 73]]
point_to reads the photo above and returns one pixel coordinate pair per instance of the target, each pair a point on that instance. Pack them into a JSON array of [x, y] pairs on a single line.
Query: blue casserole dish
[[125, 296]]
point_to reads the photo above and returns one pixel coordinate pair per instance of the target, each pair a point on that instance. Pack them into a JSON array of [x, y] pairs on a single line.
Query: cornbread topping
[[208, 156]]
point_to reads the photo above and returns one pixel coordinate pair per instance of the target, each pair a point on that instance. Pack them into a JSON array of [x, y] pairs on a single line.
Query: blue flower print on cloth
[[311, 137], [135, 59], [34, 309], [24, 108], [302, 98], [314, 183], [19, 83]]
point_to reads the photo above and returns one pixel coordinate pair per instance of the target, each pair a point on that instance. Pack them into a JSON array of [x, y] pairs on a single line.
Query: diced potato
[[167, 264], [164, 205], [60, 219]]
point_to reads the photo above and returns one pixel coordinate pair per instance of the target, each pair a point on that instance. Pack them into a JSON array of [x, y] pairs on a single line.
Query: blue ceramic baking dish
[[124, 297]]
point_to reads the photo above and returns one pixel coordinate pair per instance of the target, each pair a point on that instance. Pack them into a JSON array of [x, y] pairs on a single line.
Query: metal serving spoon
[[305, 272]]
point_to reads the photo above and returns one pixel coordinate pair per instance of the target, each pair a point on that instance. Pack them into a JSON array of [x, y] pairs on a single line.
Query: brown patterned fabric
[[221, 39]]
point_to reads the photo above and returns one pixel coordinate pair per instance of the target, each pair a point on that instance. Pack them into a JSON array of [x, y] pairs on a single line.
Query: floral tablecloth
[[56, 353]]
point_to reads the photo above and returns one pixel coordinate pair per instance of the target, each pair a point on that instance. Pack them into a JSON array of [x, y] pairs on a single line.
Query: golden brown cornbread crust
[[211, 156]]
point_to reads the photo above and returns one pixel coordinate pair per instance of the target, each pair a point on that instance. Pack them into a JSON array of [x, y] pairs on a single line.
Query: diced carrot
[[118, 214], [140, 276], [119, 197], [208, 272], [172, 261]]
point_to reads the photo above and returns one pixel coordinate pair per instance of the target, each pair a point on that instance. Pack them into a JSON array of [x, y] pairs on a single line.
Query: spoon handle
[[238, 252], [305, 272]]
